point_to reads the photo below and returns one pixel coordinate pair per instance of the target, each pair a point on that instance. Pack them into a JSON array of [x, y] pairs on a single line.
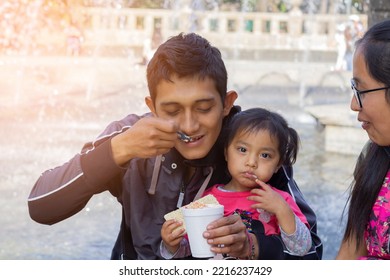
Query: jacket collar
[[387, 150]]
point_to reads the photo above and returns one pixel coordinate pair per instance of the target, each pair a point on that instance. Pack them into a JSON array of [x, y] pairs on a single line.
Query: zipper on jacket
[[181, 195]]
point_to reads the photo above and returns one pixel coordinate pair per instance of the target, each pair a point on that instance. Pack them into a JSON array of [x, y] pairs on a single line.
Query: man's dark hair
[[187, 56]]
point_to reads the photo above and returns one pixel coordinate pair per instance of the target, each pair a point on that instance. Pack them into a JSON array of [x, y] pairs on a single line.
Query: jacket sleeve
[[63, 191], [271, 247]]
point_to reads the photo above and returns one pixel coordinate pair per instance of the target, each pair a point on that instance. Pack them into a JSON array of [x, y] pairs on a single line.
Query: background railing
[[230, 31]]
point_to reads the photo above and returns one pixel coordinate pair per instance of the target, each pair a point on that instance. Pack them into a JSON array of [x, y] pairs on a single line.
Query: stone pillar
[[378, 11], [295, 23]]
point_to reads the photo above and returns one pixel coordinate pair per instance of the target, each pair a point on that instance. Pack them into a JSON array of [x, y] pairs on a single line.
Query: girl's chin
[[248, 184]]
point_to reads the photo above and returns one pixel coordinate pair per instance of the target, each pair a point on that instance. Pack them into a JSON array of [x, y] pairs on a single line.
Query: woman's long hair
[[370, 171]]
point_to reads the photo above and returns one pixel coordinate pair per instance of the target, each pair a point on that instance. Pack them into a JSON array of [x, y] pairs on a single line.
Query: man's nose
[[189, 123]]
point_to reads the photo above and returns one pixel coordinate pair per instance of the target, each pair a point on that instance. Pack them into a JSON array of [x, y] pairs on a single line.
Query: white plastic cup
[[196, 220]]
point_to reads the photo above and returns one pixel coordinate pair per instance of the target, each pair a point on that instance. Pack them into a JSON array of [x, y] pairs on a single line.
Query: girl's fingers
[[262, 184]]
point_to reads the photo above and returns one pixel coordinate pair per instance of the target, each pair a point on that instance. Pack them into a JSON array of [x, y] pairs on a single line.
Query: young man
[[142, 161]]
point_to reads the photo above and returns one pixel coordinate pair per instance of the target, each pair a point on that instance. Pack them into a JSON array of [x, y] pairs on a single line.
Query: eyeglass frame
[[357, 92]]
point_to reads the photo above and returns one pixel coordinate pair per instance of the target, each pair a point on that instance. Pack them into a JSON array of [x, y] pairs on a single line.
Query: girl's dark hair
[[258, 119], [373, 163], [187, 55]]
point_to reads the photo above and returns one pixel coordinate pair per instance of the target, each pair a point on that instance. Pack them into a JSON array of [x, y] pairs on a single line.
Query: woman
[[367, 230]]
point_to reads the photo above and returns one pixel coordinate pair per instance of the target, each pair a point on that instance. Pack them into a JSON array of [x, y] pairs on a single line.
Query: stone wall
[[379, 10]]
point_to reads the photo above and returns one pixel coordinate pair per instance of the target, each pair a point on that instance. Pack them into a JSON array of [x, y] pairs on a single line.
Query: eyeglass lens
[[356, 93]]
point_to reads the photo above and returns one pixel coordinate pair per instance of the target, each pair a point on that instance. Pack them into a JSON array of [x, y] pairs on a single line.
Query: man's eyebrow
[[197, 101]]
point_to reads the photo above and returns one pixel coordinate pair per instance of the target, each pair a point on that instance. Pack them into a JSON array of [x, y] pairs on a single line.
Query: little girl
[[258, 143]]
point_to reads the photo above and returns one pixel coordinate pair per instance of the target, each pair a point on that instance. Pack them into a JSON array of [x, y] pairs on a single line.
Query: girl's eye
[[264, 155], [242, 149]]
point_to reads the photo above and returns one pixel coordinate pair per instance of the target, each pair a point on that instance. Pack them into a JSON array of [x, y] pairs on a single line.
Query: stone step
[[343, 133]]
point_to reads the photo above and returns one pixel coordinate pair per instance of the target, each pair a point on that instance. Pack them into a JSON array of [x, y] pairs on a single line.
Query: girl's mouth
[[251, 176]]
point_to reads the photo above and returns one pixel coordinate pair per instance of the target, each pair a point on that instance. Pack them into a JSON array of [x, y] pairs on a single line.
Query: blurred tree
[[378, 10]]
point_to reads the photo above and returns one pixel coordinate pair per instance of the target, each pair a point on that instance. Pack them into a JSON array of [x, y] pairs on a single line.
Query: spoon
[[184, 137]]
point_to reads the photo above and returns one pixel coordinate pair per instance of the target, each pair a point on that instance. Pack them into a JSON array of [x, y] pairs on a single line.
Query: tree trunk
[[378, 11]]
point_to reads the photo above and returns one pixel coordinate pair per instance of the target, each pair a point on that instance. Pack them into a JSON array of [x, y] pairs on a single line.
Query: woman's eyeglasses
[[357, 92]]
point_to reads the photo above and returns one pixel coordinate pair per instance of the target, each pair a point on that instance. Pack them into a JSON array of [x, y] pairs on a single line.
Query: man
[[143, 162]]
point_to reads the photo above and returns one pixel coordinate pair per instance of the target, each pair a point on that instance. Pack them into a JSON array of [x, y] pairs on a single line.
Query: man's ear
[[149, 102], [230, 98]]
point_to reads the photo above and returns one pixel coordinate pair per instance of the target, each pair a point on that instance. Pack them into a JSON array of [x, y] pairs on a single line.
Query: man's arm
[[63, 191]]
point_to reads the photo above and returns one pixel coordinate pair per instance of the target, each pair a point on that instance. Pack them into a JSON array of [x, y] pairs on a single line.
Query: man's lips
[[186, 138]]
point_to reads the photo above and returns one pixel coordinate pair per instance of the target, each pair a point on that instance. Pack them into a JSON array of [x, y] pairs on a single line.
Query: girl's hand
[[268, 199], [171, 235]]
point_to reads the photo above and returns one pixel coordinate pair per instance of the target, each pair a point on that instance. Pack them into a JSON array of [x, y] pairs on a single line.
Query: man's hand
[[147, 138], [228, 235]]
